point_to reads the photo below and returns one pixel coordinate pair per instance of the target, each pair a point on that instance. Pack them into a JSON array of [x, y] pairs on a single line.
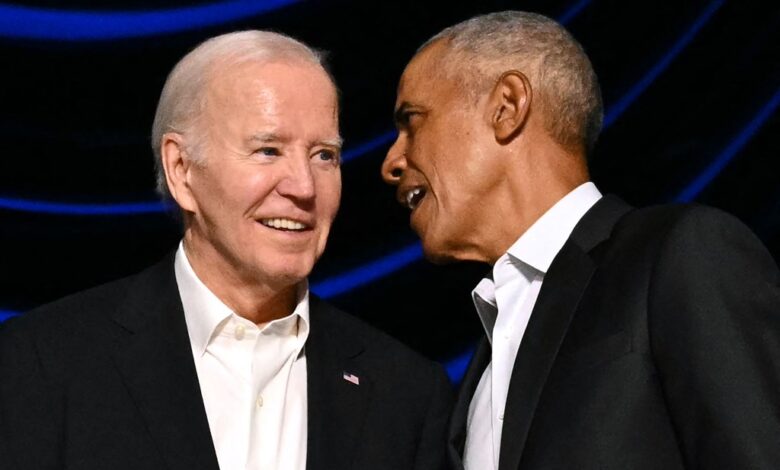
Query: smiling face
[[260, 206], [445, 163]]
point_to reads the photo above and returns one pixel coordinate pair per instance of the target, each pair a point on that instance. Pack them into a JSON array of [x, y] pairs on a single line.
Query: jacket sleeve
[[714, 321], [30, 417], [431, 450]]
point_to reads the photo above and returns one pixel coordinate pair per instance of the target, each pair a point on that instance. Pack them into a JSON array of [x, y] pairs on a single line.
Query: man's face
[[442, 163], [269, 188]]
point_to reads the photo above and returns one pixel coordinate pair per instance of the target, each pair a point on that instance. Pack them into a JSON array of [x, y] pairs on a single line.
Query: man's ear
[[177, 165], [509, 104]]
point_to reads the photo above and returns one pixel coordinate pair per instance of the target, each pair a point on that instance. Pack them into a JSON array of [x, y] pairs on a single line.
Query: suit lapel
[[548, 325], [156, 363], [336, 406], [563, 287], [456, 438]]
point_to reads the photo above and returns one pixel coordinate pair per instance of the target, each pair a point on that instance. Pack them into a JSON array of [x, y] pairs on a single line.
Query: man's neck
[[245, 294], [551, 178]]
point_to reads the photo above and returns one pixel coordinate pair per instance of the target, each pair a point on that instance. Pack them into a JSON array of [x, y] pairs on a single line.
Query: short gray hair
[[555, 63], [183, 95]]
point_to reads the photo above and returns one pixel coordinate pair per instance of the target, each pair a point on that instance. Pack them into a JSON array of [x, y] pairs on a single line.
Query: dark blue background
[[691, 92]]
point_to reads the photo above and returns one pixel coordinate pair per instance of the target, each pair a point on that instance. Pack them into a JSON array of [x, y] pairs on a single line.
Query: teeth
[[413, 197], [285, 224]]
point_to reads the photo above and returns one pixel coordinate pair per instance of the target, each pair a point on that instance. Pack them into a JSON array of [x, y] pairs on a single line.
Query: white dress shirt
[[504, 305], [253, 378]]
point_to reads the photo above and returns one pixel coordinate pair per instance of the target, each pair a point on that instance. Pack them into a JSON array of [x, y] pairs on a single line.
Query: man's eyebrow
[[266, 137], [337, 142]]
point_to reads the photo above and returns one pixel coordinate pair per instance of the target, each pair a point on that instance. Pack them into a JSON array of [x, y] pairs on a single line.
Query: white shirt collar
[[204, 312], [539, 245], [534, 250]]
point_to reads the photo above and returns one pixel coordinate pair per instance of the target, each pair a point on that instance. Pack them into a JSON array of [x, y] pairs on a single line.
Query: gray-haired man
[[219, 356], [616, 338]]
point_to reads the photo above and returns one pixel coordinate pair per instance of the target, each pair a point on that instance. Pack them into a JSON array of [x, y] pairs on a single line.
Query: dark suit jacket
[[654, 344], [105, 379]]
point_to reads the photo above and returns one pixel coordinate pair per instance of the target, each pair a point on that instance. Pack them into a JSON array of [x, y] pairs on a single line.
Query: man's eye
[[268, 151], [409, 120], [327, 155]]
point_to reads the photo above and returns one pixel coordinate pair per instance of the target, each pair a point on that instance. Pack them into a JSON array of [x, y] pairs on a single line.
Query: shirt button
[[501, 416], [240, 330], [259, 401]]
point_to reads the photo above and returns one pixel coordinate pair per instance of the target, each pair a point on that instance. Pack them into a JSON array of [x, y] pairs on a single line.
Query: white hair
[[480, 49], [183, 95]]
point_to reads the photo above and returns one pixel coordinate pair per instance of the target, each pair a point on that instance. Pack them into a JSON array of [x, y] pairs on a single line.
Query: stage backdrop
[[691, 92]]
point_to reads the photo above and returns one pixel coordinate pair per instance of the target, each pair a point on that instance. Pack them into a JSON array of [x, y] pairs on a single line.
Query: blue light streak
[[87, 209], [368, 146], [369, 272], [49, 24], [456, 367], [6, 314], [690, 192], [572, 12], [617, 109]]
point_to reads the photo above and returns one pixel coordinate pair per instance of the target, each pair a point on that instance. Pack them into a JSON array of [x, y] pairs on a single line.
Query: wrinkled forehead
[[253, 81], [425, 66]]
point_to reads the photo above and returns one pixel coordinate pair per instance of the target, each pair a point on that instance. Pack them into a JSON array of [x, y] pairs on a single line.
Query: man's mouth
[[414, 196], [287, 225]]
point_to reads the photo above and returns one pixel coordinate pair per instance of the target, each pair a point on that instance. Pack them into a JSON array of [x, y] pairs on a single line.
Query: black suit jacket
[[105, 379], [654, 344]]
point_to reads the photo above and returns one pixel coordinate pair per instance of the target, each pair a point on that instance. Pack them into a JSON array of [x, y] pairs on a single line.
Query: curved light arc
[[50, 24], [719, 163], [620, 106], [6, 314]]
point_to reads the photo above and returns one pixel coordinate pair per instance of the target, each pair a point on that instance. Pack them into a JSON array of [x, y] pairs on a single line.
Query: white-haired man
[[218, 356], [616, 338]]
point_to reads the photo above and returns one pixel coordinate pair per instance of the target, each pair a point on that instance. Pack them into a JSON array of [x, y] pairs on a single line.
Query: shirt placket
[[272, 357], [510, 295]]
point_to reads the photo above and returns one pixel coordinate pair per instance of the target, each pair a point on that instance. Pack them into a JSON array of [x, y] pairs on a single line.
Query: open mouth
[[285, 225], [414, 196]]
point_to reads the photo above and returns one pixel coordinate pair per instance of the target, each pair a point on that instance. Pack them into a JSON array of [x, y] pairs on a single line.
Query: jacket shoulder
[[75, 315], [657, 226], [668, 217]]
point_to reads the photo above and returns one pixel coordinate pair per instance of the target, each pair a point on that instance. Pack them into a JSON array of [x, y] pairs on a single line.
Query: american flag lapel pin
[[352, 378]]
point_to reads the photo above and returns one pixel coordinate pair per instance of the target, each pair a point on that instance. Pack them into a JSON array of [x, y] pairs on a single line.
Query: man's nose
[[298, 182], [395, 163]]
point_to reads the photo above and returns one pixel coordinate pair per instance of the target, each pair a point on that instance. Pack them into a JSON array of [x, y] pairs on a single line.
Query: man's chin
[[288, 275], [436, 231], [283, 272], [442, 252], [436, 254]]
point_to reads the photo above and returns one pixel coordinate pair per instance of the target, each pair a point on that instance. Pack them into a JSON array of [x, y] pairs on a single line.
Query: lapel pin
[[352, 378]]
